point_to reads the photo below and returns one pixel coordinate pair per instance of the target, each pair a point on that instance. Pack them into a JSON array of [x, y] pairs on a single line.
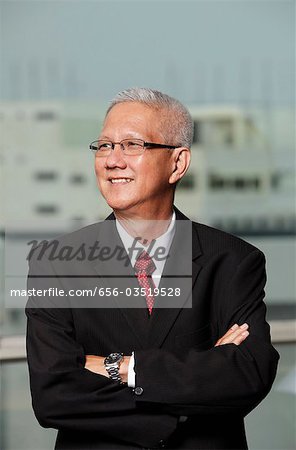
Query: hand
[[96, 364], [235, 335]]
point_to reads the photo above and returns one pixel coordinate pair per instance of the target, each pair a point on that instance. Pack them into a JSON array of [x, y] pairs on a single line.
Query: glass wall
[[233, 64]]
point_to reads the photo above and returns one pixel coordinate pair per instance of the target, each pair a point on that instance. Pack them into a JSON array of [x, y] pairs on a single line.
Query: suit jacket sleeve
[[67, 396], [225, 379]]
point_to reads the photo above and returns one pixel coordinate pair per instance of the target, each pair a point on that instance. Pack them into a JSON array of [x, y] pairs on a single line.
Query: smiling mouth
[[120, 180]]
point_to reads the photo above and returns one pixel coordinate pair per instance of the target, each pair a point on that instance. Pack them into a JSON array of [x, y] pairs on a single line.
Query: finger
[[234, 327], [231, 337], [239, 339], [230, 331]]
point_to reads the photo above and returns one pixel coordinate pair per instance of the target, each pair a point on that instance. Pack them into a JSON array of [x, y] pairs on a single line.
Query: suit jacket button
[[138, 390]]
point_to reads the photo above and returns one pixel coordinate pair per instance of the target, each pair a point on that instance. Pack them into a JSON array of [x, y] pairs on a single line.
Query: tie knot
[[144, 264]]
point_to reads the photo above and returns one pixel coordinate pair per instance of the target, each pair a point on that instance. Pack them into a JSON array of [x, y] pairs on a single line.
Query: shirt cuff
[[131, 374]]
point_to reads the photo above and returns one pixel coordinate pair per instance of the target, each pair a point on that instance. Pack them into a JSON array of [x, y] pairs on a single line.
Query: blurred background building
[[233, 64]]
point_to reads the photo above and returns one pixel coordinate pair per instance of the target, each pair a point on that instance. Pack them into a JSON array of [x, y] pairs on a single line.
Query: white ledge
[[13, 348]]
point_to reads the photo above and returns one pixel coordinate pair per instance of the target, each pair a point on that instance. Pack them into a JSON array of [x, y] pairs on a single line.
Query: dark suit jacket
[[178, 369]]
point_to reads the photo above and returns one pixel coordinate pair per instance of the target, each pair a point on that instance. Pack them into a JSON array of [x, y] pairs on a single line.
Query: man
[[135, 368]]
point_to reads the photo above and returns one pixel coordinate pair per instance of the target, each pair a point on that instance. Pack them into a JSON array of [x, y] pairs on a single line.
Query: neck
[[145, 227]]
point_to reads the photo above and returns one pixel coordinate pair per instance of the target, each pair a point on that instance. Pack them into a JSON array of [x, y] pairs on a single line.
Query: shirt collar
[[164, 240]]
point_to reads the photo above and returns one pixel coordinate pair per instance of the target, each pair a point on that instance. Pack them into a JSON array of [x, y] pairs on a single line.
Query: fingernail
[[234, 326], [245, 333], [244, 326]]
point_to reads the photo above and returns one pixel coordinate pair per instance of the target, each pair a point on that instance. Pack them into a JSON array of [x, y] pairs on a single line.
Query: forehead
[[132, 117]]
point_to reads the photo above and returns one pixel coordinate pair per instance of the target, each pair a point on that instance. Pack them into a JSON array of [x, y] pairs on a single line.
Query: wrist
[[123, 369]]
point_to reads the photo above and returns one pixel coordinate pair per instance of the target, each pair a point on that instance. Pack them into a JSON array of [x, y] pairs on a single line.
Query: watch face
[[113, 358]]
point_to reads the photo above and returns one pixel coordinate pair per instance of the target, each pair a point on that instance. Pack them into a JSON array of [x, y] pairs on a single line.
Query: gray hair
[[176, 124]]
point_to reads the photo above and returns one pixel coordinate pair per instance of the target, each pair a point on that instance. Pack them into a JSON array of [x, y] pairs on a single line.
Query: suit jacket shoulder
[[213, 240]]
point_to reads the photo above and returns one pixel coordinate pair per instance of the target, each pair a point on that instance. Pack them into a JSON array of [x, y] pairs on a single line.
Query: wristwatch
[[112, 363]]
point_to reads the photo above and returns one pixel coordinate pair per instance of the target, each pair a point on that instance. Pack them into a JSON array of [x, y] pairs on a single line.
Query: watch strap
[[113, 373]]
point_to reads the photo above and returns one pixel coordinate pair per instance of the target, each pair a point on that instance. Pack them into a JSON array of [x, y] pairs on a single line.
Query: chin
[[119, 204]]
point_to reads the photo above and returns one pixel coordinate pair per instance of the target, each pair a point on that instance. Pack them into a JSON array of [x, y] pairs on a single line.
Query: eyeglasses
[[130, 147]]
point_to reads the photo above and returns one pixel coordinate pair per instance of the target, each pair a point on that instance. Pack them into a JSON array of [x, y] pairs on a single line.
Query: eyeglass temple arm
[[154, 145]]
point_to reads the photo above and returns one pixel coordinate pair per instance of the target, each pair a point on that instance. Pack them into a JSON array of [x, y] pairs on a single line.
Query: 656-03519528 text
[[96, 291]]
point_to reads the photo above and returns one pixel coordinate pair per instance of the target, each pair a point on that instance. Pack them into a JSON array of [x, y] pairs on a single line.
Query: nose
[[116, 158]]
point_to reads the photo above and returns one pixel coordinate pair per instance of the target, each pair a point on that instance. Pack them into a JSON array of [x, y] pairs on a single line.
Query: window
[[196, 132], [218, 132], [235, 183], [46, 209], [48, 175], [187, 182], [45, 115], [216, 182], [77, 178]]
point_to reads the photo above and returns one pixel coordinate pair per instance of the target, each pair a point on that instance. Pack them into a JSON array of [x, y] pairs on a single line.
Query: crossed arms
[[235, 335]]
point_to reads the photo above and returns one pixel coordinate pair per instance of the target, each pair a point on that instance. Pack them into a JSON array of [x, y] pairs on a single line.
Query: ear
[[181, 161]]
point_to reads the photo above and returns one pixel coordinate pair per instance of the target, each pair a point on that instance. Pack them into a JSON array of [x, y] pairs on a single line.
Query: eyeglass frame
[[145, 145]]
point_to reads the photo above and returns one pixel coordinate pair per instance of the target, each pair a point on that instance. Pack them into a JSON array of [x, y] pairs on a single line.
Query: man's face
[[149, 188]]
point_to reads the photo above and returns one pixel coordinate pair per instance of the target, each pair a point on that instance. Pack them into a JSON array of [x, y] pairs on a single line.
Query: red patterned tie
[[144, 268]]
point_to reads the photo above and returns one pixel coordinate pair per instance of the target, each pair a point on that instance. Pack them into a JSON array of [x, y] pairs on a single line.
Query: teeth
[[120, 180]]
